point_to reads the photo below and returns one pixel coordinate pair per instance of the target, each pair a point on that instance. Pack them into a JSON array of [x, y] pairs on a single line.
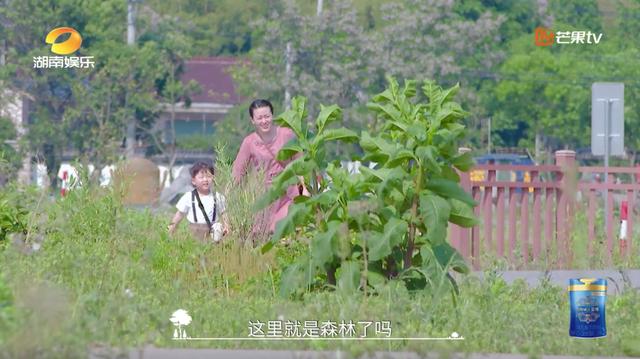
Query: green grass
[[111, 276]]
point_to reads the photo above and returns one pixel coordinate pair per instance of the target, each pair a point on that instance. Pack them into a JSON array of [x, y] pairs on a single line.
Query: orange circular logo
[[66, 47]]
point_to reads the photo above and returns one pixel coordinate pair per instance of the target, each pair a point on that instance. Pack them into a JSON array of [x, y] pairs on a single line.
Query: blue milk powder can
[[587, 297]]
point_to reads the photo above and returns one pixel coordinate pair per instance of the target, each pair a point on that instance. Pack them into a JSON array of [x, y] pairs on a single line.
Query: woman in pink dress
[[258, 152]]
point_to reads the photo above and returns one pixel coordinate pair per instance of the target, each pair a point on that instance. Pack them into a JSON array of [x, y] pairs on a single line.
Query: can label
[[587, 298]]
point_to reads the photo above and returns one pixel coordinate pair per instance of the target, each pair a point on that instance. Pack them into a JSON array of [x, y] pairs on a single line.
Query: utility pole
[[131, 40], [489, 135], [3, 46], [287, 75]]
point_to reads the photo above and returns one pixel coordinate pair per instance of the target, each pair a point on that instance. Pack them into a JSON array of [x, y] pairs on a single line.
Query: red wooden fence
[[527, 221]]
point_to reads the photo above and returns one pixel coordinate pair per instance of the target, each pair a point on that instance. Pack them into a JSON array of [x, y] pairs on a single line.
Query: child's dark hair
[[199, 166], [259, 103]]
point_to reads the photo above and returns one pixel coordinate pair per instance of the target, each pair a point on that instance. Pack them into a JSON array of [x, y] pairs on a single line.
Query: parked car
[[504, 159]]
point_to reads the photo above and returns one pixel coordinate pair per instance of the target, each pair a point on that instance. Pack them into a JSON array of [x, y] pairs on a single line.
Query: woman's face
[[262, 119]]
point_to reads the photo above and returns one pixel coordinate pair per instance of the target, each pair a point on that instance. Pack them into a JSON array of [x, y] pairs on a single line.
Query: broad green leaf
[[367, 143], [448, 257], [372, 144], [427, 155], [293, 118], [462, 214], [386, 111], [410, 88], [380, 245], [436, 212], [340, 243], [377, 157], [464, 162], [457, 110], [446, 116], [326, 198], [337, 134], [287, 226], [443, 137], [286, 178], [267, 247], [321, 244], [349, 276], [328, 114], [418, 130], [301, 199], [399, 125], [399, 157], [385, 96], [450, 93], [289, 151], [415, 278], [449, 189], [301, 167], [382, 174], [377, 246], [449, 173], [456, 129], [430, 265], [395, 230], [278, 188], [375, 279], [396, 196], [430, 89]]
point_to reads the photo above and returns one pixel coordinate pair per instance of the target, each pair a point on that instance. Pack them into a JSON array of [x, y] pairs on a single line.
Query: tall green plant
[[389, 221]]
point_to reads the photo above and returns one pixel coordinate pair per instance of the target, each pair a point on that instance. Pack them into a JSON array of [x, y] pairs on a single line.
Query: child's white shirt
[[184, 205]]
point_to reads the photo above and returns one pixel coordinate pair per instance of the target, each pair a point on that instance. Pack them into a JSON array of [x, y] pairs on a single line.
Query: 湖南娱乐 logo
[[62, 46], [67, 47]]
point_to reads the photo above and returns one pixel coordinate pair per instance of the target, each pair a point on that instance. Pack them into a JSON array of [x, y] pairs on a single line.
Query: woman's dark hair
[[199, 166], [259, 103]]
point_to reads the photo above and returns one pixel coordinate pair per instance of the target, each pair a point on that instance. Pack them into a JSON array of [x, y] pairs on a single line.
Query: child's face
[[202, 181]]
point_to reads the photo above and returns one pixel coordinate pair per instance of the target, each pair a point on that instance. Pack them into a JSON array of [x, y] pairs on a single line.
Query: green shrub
[[384, 223]]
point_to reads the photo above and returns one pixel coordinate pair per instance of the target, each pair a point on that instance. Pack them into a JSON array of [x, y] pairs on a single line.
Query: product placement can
[[587, 297]]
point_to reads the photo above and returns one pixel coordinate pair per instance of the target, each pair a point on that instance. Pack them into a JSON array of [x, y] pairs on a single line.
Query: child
[[204, 208]]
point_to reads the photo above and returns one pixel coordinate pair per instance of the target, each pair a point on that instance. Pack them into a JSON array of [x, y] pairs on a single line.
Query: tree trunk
[[52, 162], [331, 275]]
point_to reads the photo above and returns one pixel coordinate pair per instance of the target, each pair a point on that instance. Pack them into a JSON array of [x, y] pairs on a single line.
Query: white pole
[[131, 22], [607, 116], [131, 39], [287, 72], [489, 137]]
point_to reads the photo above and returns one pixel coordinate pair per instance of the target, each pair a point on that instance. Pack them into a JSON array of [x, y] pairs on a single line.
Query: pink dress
[[262, 156]]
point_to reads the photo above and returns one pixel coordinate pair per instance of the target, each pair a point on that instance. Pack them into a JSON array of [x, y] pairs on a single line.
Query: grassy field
[[110, 276]]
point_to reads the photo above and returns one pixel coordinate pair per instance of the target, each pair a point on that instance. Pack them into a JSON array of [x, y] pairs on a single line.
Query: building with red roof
[[217, 96]]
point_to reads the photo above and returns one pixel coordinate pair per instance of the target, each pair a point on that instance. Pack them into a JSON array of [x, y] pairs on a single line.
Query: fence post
[[565, 204]]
